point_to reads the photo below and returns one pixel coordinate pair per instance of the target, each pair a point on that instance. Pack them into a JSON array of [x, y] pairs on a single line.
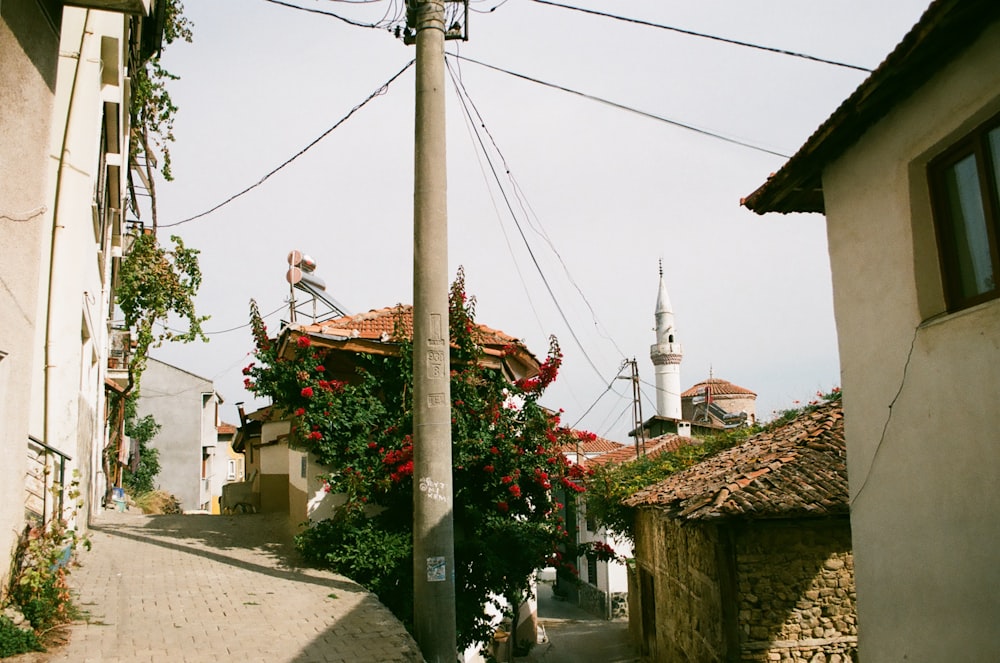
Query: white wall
[[922, 474]]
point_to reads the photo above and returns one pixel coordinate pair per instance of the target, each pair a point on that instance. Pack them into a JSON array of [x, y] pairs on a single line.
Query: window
[[231, 471], [965, 190]]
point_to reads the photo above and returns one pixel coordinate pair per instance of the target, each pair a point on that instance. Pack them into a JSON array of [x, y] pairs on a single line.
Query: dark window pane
[[971, 239], [994, 140]]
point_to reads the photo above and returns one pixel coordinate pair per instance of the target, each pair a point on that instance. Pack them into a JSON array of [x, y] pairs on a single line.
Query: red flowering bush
[[509, 473]]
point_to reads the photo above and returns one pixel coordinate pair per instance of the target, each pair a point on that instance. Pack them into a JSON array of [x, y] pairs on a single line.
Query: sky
[[599, 193]]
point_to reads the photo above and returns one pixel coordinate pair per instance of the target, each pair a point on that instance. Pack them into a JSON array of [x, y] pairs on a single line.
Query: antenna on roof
[[301, 276]]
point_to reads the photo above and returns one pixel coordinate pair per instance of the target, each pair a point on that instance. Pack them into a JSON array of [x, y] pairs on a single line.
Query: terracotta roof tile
[[226, 429], [627, 453], [380, 324], [797, 469], [374, 331], [591, 445], [719, 388]]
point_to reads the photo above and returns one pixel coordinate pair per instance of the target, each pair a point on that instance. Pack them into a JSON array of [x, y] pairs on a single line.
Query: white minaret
[[666, 355]]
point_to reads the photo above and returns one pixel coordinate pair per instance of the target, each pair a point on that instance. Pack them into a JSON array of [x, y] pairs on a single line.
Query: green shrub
[[16, 640]]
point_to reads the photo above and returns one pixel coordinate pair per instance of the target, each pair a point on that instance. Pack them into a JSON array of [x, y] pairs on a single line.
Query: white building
[[64, 145], [186, 406], [905, 171]]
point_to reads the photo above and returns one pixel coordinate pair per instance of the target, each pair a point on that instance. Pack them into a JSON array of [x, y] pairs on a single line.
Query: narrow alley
[[201, 588], [573, 635]]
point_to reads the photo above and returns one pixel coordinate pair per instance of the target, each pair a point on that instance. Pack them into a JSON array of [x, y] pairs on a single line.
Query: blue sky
[[602, 194]]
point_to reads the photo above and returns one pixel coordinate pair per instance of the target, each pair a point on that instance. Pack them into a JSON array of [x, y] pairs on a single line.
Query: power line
[[527, 245], [614, 104], [537, 226], [380, 91], [378, 26], [703, 35]]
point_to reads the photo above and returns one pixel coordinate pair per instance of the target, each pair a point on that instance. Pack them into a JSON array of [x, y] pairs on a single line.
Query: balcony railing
[[119, 355], [46, 470]]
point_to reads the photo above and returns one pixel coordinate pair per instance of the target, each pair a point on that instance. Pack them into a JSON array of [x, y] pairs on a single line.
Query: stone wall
[[592, 599], [752, 592], [796, 591], [677, 614]]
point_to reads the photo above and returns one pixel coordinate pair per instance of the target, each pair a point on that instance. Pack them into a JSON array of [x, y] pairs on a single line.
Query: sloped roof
[[798, 469], [591, 445], [226, 429], [627, 453], [719, 388], [375, 330], [941, 34]]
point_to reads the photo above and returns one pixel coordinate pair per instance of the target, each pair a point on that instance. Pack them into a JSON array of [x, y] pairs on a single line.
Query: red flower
[[489, 468], [299, 412], [307, 392], [494, 451], [515, 490], [506, 479], [304, 342], [315, 435], [502, 507], [321, 369]]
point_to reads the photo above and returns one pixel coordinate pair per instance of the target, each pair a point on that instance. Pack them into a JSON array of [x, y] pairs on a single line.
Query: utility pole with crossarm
[[433, 529]]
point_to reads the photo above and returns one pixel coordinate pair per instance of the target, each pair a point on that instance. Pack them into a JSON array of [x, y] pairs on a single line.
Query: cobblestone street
[[201, 589]]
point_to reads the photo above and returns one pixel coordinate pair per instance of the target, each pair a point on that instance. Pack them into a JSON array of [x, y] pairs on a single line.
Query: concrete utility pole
[[433, 529]]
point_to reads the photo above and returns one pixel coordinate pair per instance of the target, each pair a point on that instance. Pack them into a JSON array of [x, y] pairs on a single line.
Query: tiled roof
[[226, 429], [719, 388], [798, 469], [374, 332], [380, 324], [588, 445], [627, 453]]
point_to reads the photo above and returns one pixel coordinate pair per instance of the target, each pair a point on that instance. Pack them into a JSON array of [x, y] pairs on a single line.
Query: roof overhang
[[946, 29]]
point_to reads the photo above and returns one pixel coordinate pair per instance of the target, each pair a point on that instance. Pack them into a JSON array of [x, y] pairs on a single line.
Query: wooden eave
[[946, 29]]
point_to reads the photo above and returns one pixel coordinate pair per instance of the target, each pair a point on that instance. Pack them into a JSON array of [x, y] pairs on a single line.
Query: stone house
[[905, 171], [746, 556]]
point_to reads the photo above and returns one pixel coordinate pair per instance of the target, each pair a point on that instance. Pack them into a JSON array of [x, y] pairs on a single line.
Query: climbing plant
[[153, 110], [155, 282], [140, 476], [510, 478]]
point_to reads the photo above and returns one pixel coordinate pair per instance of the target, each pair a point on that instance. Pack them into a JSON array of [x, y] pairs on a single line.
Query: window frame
[[976, 144]]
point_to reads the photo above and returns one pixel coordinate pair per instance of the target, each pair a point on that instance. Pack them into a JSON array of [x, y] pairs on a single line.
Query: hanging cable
[[614, 104], [534, 259], [380, 91], [702, 35], [529, 213], [349, 21]]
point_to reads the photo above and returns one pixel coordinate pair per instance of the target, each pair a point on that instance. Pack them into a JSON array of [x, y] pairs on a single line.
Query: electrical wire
[[529, 213], [467, 118], [378, 25], [614, 104], [531, 253], [224, 331], [614, 423], [703, 35], [380, 91]]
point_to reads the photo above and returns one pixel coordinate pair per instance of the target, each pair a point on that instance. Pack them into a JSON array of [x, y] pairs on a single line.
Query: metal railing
[[39, 482]]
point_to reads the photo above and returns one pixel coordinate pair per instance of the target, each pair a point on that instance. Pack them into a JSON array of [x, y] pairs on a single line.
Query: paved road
[[575, 636], [205, 589]]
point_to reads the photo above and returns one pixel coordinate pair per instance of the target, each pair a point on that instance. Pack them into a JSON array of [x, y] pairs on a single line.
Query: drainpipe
[[53, 250]]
